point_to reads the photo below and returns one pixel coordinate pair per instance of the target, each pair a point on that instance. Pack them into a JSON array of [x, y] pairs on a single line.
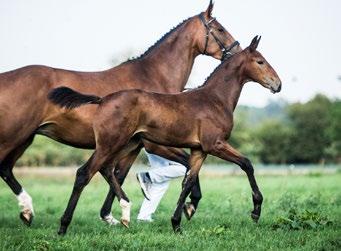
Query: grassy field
[[221, 223]]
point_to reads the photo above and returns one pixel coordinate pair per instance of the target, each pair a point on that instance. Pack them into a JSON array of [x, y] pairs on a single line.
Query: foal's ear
[[254, 43], [208, 12]]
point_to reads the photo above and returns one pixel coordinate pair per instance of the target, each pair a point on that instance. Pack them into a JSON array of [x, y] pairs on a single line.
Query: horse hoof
[[176, 226], [26, 218], [189, 210], [177, 230], [62, 231], [125, 223], [255, 217]]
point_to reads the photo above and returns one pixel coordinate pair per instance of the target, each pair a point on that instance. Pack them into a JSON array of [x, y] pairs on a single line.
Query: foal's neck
[[227, 86], [169, 62]]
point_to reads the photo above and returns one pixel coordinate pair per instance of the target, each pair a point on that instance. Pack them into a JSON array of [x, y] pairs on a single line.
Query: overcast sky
[[301, 39]]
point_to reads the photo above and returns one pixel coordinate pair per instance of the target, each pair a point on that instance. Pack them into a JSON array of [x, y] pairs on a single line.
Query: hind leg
[[120, 173], [99, 161], [116, 177], [6, 173]]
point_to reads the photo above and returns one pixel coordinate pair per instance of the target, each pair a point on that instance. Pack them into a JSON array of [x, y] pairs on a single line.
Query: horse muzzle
[[275, 86]]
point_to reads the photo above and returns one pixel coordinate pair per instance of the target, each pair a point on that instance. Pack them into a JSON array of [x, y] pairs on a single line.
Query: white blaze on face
[[125, 205], [110, 220], [25, 202]]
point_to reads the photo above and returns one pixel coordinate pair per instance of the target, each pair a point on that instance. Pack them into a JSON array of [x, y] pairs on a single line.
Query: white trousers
[[162, 171]]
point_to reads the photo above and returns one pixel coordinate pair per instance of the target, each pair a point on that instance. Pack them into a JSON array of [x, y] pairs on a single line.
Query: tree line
[[279, 133], [292, 133]]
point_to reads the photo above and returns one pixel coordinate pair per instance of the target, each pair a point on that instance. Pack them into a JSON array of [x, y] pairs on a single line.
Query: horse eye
[[221, 30], [260, 62]]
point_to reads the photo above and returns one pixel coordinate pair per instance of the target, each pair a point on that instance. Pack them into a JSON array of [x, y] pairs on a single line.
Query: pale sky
[[300, 39]]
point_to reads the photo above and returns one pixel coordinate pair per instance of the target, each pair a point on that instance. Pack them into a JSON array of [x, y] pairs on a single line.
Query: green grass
[[222, 221]]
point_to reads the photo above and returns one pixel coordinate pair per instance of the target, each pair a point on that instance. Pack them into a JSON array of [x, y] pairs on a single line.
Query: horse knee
[[82, 178]]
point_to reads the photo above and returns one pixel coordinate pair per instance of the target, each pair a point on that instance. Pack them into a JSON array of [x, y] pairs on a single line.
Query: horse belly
[[73, 127], [171, 135]]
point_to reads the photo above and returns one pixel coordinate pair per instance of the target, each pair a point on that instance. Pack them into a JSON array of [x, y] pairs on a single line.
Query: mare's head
[[255, 68], [212, 38]]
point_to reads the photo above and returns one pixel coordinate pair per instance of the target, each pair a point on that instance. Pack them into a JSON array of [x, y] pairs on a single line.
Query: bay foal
[[201, 119], [164, 67]]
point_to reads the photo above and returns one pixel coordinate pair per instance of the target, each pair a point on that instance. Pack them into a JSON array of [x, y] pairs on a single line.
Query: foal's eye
[[260, 62], [221, 30]]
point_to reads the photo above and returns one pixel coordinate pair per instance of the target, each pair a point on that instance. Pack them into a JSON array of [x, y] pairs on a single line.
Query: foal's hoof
[[189, 210], [26, 218], [125, 223], [255, 217], [176, 226], [62, 231], [177, 230]]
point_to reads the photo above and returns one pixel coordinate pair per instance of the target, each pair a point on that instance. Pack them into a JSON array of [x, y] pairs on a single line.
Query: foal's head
[[257, 69], [212, 38]]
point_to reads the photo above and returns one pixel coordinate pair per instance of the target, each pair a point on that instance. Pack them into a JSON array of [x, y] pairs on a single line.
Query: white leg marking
[[125, 205], [110, 220], [25, 203]]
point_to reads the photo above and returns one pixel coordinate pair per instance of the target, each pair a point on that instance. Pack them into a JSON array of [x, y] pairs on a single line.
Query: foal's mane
[[225, 61], [158, 42]]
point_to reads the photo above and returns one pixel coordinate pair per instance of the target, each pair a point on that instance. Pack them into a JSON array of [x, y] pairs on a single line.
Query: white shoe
[[145, 183]]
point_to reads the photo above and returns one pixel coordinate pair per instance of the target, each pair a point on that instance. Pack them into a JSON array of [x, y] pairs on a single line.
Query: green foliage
[[274, 141], [334, 131], [295, 133], [242, 136], [299, 220], [310, 123], [308, 133], [217, 230]]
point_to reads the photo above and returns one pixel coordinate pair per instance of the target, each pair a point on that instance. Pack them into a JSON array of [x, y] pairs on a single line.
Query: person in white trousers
[[155, 182]]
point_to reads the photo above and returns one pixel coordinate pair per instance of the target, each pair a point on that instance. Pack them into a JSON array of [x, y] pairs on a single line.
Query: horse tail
[[67, 98]]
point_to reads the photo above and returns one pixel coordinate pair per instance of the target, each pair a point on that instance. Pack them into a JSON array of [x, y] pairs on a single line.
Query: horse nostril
[[279, 88]]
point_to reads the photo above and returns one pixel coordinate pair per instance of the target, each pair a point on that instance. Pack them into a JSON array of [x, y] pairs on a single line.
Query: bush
[[296, 220]]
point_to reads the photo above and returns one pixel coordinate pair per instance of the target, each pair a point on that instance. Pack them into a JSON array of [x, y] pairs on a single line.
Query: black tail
[[67, 98]]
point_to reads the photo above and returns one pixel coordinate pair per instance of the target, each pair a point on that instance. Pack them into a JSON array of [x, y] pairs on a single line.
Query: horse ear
[[254, 43], [258, 41], [208, 12]]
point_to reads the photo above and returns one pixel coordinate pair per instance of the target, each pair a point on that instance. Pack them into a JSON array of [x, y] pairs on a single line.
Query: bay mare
[[201, 120], [164, 67]]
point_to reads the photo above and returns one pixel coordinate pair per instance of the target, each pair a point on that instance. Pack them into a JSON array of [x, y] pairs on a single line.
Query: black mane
[[165, 36]]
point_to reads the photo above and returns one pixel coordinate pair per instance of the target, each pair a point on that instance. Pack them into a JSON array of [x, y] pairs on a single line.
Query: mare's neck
[[168, 64]]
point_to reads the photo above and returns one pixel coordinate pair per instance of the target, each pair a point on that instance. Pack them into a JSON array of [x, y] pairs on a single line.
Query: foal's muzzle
[[275, 87]]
